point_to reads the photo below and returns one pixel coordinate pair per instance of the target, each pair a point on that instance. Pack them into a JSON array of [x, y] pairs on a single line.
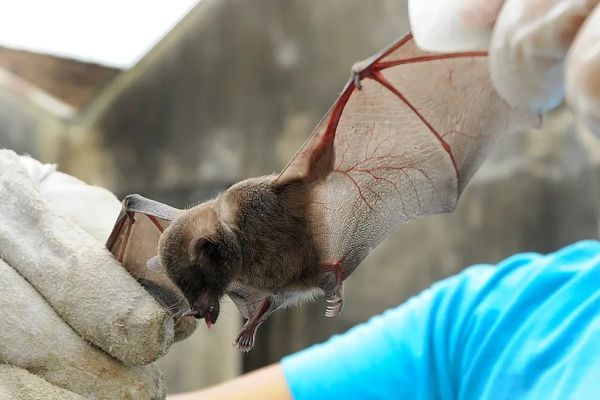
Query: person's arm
[[267, 383]]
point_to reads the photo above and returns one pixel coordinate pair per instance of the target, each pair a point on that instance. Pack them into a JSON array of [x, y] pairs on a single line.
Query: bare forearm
[[264, 384]]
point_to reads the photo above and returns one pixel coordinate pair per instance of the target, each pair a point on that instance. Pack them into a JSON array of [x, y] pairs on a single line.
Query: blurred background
[[178, 100]]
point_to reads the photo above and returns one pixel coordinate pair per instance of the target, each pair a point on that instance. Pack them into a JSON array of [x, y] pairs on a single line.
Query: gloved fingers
[[583, 72], [80, 279], [73, 198], [171, 298], [528, 49], [451, 25], [18, 384], [34, 337]]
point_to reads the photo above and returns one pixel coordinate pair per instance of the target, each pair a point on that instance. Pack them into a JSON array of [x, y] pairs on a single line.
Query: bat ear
[[198, 247], [154, 264]]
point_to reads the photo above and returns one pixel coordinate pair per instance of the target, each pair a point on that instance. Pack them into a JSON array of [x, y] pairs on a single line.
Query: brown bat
[[402, 140]]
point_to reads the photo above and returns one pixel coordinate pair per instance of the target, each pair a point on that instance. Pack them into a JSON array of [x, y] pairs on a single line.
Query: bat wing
[[134, 241], [134, 238], [402, 140], [247, 300]]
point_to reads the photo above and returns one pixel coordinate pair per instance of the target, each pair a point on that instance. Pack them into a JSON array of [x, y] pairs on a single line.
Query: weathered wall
[[235, 90], [72, 81]]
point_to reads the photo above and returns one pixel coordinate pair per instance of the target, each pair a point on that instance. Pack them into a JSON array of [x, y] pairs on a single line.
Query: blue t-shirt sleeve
[[489, 332]]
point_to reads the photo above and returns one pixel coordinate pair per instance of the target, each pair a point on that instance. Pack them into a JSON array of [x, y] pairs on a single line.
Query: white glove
[[538, 48], [70, 313]]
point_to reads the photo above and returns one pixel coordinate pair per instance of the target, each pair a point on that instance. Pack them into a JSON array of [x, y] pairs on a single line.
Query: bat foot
[[246, 337], [245, 340], [335, 301], [334, 308], [334, 293]]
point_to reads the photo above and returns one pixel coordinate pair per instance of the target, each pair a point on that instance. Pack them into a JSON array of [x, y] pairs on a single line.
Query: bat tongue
[[208, 320]]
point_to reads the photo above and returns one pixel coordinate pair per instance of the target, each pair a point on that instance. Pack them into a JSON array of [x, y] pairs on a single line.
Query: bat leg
[[246, 337], [334, 290]]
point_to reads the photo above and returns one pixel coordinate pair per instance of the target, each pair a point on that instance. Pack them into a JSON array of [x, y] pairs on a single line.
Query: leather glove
[[539, 49], [75, 324]]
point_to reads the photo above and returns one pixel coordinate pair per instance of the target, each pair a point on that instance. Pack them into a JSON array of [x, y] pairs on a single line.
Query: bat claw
[[245, 340], [334, 308], [244, 344], [335, 294]]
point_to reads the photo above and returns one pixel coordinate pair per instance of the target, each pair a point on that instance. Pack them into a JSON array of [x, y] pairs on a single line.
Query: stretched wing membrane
[[401, 141]]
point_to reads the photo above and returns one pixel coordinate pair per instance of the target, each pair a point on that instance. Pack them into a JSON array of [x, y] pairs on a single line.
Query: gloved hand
[[69, 312], [538, 49]]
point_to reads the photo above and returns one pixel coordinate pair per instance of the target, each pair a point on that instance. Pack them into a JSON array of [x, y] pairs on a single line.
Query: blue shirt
[[527, 328]]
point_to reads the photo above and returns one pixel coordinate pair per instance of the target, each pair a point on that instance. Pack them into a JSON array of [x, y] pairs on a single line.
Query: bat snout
[[207, 309]]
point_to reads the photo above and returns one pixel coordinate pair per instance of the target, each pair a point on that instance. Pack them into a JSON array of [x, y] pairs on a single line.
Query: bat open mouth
[[208, 318], [205, 311]]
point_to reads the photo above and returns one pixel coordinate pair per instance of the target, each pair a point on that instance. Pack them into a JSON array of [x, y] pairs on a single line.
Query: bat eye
[[203, 248]]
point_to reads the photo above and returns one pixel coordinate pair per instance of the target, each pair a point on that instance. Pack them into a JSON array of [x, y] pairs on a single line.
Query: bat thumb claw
[[356, 79]]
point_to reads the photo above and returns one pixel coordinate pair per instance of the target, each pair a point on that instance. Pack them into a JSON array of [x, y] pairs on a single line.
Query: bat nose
[[200, 311]]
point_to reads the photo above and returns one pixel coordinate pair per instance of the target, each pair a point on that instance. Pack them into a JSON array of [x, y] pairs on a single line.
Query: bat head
[[200, 254]]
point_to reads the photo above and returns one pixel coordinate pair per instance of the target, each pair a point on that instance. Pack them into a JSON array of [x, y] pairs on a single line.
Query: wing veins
[[378, 77], [435, 57]]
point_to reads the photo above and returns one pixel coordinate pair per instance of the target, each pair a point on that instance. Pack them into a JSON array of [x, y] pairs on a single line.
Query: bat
[[402, 140]]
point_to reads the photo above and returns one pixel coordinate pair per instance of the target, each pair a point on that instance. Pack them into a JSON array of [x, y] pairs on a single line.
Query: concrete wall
[[235, 90]]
